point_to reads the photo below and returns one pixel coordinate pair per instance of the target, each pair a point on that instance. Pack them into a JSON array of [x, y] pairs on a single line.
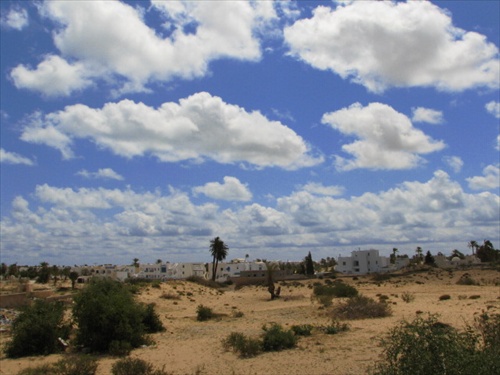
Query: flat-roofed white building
[[362, 262]]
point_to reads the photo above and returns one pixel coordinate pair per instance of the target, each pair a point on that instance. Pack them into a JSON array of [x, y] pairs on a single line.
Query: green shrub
[[427, 346], [302, 329], [135, 366], [335, 327], [73, 365], [361, 307], [467, 280], [338, 290], [444, 297], [151, 320], [204, 313], [275, 338], [105, 312], [408, 297], [246, 346], [36, 330]]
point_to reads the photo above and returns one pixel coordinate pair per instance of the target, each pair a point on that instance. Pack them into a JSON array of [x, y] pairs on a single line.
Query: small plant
[[237, 314], [73, 365], [407, 297], [475, 296], [170, 296], [246, 346], [338, 290], [204, 313], [151, 320], [466, 279], [275, 338], [335, 327], [444, 297], [135, 366], [302, 329], [119, 348], [361, 307]]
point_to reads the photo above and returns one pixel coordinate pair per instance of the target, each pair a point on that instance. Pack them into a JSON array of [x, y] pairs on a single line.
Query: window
[[343, 263]]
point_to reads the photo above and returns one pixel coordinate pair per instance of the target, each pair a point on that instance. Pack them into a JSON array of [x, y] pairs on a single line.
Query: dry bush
[[361, 307]]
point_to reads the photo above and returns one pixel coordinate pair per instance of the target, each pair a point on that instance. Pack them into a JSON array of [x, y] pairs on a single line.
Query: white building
[[362, 262], [234, 268], [164, 271]]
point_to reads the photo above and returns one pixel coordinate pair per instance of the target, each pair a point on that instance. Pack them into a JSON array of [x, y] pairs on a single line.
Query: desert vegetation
[[327, 325]]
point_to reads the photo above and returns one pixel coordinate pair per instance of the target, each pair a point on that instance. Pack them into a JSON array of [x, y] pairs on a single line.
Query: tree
[[13, 270], [473, 245], [393, 256], [135, 262], [218, 250], [429, 259], [73, 276], [3, 269], [487, 253], [37, 329], [159, 261], [43, 273], [108, 317], [309, 264], [419, 252]]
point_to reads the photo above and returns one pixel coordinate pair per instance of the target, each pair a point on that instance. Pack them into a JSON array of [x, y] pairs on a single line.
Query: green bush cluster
[[204, 313], [36, 330], [302, 329], [427, 346], [335, 290], [110, 320], [274, 338], [135, 366]]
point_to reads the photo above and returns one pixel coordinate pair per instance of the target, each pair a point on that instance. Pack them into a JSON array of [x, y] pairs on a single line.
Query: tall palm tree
[[473, 245], [218, 249]]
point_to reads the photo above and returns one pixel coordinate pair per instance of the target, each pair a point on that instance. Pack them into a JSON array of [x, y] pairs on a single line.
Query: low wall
[[12, 301]]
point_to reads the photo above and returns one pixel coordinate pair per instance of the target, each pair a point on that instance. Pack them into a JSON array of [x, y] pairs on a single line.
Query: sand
[[189, 347]]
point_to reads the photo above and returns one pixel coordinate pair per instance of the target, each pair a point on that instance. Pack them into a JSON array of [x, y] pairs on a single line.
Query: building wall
[[363, 262]]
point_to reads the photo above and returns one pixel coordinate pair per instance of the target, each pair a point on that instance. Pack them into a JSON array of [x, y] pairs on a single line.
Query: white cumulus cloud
[[102, 173], [320, 189], [386, 138], [14, 158], [230, 190], [199, 127], [54, 76], [110, 40], [454, 162], [493, 108], [382, 44], [15, 18], [430, 116], [489, 180]]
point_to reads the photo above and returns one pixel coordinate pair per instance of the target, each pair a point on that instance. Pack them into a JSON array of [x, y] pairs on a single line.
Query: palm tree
[[419, 252], [473, 245], [135, 262], [159, 261], [218, 249]]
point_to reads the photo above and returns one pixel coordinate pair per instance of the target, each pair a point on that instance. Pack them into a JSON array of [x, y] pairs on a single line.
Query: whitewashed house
[[362, 262], [165, 271], [233, 269]]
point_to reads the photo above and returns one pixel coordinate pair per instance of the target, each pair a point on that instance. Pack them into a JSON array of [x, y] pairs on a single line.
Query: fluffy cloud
[[103, 173], [200, 126], [16, 19], [96, 36], [102, 225], [490, 179], [54, 76], [430, 116], [320, 189], [231, 190], [13, 158], [493, 108], [454, 162], [386, 138], [381, 44]]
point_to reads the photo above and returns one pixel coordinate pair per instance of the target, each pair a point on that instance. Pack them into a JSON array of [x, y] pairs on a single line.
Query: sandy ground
[[189, 347]]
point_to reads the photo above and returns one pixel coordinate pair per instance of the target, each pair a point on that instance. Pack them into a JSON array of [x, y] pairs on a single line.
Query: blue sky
[[144, 129]]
